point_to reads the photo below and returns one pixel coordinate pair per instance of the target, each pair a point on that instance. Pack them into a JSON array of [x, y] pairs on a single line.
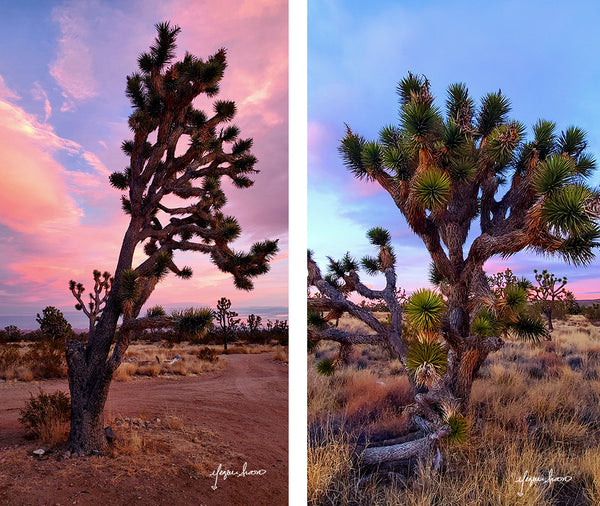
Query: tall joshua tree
[[178, 154], [447, 173]]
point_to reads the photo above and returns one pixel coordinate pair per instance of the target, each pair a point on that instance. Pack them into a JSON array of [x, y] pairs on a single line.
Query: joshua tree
[[225, 318], [254, 322], [445, 173], [95, 306], [549, 291], [53, 324], [177, 158]]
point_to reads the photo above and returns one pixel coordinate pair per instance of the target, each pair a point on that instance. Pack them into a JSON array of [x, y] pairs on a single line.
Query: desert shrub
[[46, 414], [9, 356], [592, 313], [47, 359], [208, 354]]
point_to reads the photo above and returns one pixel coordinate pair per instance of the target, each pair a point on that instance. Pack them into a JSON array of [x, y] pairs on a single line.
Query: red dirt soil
[[234, 416]]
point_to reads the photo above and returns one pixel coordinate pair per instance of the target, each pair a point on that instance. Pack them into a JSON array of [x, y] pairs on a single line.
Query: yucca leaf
[[350, 150], [372, 157], [379, 236], [420, 119], [484, 324], [565, 210], [408, 86], [544, 137], [585, 165], [572, 141], [453, 138], [192, 322], [493, 111], [459, 429], [371, 265], [503, 141], [579, 250], [427, 362], [436, 278], [326, 367], [552, 174], [389, 136], [528, 328], [395, 159], [424, 309], [314, 319], [462, 170], [515, 296], [458, 104], [432, 189]]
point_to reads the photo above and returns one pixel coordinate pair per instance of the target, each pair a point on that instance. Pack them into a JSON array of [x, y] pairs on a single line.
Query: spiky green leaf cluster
[[426, 361], [192, 323], [485, 324], [432, 189], [424, 309], [459, 429], [326, 367]]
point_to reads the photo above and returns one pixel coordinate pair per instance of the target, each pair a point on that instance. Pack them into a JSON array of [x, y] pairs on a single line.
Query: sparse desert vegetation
[[535, 411]]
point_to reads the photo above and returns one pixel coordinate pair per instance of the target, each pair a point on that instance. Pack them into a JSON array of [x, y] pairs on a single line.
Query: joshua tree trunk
[[87, 404], [548, 313]]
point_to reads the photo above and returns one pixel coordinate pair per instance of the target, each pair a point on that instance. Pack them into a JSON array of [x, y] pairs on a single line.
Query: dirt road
[[235, 416]]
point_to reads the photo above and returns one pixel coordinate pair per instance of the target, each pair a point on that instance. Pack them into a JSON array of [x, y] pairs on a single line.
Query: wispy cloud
[[39, 93], [72, 68]]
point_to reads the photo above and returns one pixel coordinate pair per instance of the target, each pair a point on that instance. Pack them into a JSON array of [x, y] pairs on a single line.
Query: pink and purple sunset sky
[[543, 55], [63, 115]]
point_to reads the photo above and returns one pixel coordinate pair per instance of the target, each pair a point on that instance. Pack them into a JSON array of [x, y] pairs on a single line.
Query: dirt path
[[239, 413]]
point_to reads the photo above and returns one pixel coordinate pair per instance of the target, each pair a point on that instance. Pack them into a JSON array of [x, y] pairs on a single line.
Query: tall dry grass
[[535, 412]]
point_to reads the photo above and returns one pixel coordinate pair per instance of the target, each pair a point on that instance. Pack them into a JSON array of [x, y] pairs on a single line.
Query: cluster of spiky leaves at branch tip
[[162, 95], [444, 171], [503, 311]]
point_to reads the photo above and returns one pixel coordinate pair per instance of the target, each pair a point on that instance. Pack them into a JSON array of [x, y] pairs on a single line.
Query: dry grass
[[281, 354], [534, 410]]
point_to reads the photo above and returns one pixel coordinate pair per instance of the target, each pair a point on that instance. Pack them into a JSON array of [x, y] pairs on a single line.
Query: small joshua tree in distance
[[95, 306], [548, 292]]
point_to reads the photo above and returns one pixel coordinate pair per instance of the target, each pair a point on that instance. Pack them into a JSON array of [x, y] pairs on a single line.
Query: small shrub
[[47, 359], [208, 354], [9, 356], [46, 414]]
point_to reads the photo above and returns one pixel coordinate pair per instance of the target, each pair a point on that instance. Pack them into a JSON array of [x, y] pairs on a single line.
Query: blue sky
[[542, 55]]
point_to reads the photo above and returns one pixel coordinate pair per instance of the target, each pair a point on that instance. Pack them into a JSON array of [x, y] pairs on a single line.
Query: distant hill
[[588, 302]]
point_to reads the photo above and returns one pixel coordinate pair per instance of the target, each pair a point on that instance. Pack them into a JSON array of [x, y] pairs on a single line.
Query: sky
[[543, 55], [63, 116]]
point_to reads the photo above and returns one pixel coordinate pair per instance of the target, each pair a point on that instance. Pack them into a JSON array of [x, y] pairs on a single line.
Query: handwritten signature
[[540, 479], [225, 473]]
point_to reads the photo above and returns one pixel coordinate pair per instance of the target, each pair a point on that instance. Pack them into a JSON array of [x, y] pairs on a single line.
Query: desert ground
[[172, 432], [535, 413]]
